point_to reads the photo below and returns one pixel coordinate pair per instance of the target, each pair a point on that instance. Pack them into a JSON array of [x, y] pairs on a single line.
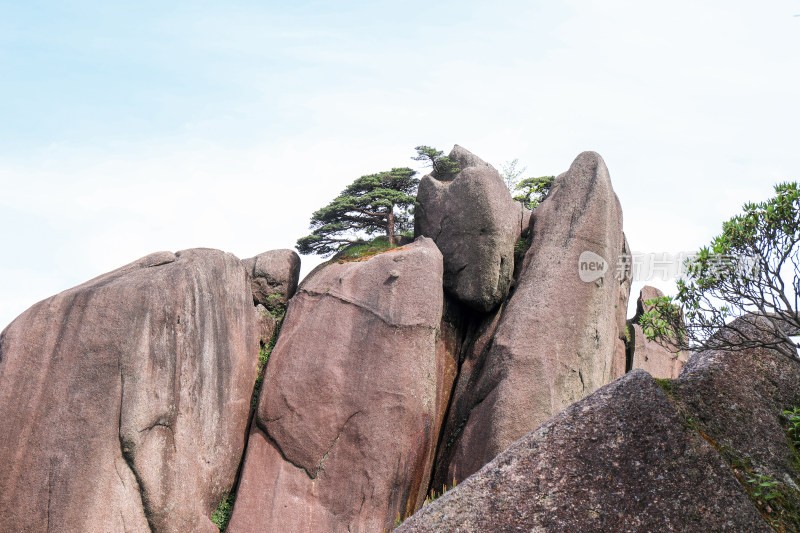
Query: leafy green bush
[[532, 191]]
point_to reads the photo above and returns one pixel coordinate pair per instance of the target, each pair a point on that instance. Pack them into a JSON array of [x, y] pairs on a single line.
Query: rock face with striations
[[636, 456], [475, 223], [274, 277], [558, 337], [660, 361], [352, 399], [125, 400]]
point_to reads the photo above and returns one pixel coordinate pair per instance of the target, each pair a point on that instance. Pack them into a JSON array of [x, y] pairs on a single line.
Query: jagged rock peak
[[661, 361]]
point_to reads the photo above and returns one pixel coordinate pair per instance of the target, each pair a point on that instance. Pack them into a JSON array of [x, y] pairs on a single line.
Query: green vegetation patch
[[222, 515], [361, 251], [263, 359]]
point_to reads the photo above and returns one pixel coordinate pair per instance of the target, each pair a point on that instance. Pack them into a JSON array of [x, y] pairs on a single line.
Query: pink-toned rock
[[352, 400], [274, 277], [475, 223], [265, 324], [558, 338], [659, 360], [124, 401]]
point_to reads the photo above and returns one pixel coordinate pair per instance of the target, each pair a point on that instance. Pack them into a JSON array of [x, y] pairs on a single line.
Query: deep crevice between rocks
[[229, 498], [469, 324]]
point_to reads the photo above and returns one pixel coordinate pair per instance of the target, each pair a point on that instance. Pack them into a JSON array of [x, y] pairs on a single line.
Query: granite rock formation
[[274, 278], [647, 455], [353, 397], [558, 338], [474, 221], [661, 361], [125, 400]]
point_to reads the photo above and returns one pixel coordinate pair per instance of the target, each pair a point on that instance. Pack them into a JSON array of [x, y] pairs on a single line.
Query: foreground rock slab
[[622, 459], [352, 399], [475, 223], [559, 336], [709, 451], [124, 401]]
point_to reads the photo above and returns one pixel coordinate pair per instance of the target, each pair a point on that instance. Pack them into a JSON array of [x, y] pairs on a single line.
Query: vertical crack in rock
[[127, 454], [321, 464]]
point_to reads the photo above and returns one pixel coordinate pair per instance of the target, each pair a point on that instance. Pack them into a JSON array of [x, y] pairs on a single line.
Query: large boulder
[[648, 455], [559, 336], [736, 400], [475, 223], [352, 400], [124, 401], [274, 278], [622, 459], [660, 360]]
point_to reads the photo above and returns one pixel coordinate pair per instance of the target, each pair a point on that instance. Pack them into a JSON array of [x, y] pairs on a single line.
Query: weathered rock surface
[[274, 277], [352, 399], [660, 361], [622, 459], [124, 401], [558, 338], [265, 324], [475, 223], [642, 456], [736, 400]]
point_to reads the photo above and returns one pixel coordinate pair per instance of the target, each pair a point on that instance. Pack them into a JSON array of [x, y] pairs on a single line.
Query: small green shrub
[[222, 515], [521, 247], [665, 384], [276, 306], [764, 487]]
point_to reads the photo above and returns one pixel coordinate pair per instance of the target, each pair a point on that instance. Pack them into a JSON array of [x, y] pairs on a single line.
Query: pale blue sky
[[161, 126]]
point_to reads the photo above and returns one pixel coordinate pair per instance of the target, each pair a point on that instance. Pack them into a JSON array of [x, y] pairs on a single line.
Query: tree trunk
[[390, 225]]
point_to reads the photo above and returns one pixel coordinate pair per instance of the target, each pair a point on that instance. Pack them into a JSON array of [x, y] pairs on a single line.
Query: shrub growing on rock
[[751, 270]]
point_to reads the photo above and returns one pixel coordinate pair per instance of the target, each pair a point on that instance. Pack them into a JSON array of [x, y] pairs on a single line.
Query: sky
[[129, 128]]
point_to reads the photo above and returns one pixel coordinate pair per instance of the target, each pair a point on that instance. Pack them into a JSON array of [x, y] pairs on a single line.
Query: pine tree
[[376, 203]]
